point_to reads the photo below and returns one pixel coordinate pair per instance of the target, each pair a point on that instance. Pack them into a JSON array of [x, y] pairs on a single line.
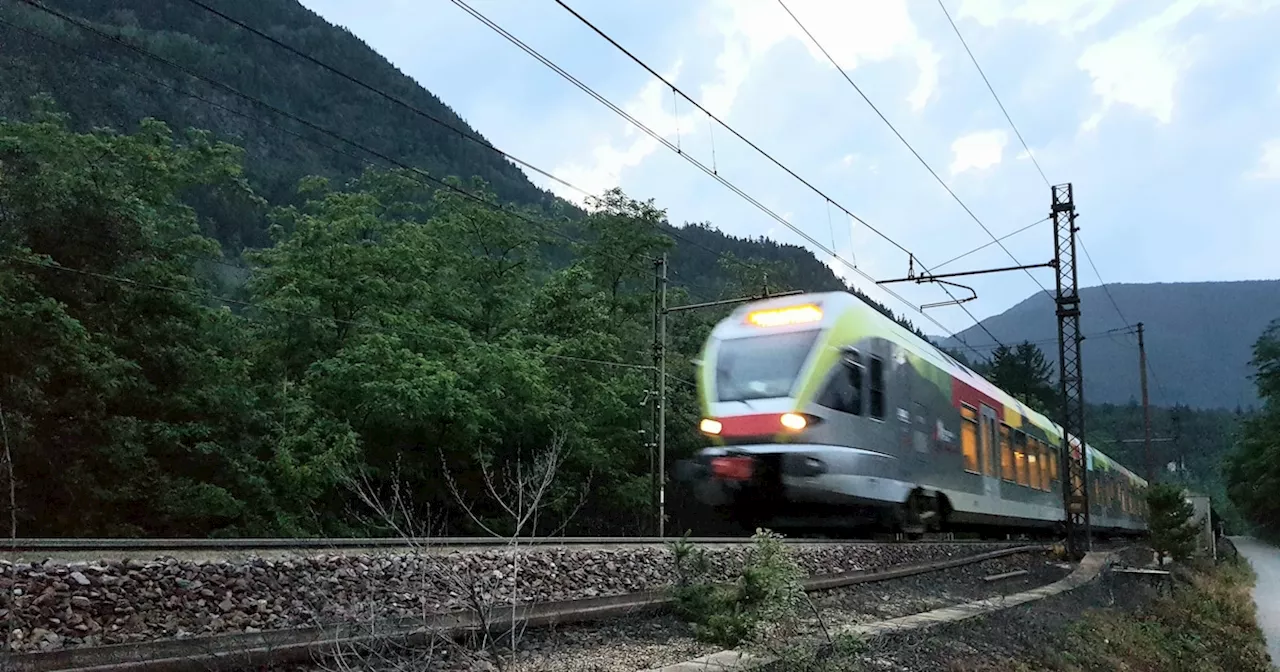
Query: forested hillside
[[1199, 338], [221, 321], [98, 80]]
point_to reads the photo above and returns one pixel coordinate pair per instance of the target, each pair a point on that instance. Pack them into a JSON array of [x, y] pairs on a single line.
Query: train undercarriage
[[705, 502]]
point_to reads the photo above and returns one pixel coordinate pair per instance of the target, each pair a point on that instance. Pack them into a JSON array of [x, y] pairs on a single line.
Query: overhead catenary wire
[[1031, 155], [923, 162], [474, 138], [53, 265], [1106, 288], [743, 138], [992, 89], [986, 245], [416, 173], [700, 165], [471, 136]]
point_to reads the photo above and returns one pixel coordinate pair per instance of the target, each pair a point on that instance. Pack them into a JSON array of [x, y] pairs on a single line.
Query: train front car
[[794, 402]]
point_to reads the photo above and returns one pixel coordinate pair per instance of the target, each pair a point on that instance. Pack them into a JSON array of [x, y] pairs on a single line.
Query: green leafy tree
[[131, 408], [1024, 372], [1169, 521], [1253, 469]]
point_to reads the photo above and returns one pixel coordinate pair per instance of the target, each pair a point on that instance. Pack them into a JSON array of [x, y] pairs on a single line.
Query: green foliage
[[761, 605], [1023, 372], [131, 406], [1169, 521], [1253, 469]]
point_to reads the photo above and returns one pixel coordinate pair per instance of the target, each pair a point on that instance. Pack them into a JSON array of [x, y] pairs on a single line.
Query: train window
[[1035, 464], [1053, 464], [877, 388], [1042, 465], [1006, 454], [988, 445], [920, 437], [844, 392], [1020, 457], [969, 438]]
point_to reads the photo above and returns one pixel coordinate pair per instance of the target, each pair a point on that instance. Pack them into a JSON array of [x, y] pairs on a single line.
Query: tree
[[1253, 470], [130, 404], [1169, 520], [1024, 372]]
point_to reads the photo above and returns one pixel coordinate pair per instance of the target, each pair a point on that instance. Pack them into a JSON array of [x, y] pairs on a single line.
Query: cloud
[[978, 150], [1139, 66], [1070, 17], [853, 33], [1268, 167], [653, 107]]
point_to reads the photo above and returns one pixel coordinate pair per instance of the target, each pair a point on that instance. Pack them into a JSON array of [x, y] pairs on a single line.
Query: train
[[821, 412]]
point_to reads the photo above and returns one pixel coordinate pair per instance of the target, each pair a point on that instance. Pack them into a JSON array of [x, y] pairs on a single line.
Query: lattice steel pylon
[[1075, 484]]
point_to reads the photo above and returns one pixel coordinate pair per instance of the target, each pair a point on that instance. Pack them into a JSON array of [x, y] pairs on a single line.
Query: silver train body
[[821, 410]]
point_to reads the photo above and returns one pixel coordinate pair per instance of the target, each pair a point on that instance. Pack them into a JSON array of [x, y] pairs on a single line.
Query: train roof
[[845, 301]]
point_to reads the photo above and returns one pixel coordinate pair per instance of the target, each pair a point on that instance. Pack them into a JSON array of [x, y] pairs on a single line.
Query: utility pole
[[658, 396], [1075, 490], [1146, 406], [662, 397]]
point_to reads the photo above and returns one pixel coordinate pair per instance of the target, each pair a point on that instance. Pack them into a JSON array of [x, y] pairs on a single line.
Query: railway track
[[60, 545], [242, 651]]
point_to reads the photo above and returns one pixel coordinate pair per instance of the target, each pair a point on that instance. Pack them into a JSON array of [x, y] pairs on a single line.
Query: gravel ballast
[[57, 605]]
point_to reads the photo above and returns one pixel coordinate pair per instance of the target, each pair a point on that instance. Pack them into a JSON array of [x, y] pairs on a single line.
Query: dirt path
[[1265, 560]]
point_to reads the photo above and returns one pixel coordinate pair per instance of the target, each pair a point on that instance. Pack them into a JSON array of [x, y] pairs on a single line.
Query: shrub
[[763, 603], [1169, 519]]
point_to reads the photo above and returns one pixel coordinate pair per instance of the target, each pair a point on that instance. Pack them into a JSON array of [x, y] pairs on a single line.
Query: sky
[[1163, 114]]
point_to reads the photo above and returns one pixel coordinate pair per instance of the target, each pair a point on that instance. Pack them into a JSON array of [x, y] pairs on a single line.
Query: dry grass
[[1207, 624]]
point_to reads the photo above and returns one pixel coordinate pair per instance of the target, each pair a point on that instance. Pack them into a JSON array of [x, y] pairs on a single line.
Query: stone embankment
[[56, 605]]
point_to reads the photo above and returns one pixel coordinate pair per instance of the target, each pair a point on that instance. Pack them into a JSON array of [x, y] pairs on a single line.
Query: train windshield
[[761, 367]]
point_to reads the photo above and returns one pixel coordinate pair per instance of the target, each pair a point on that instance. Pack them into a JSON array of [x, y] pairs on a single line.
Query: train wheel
[[917, 514]]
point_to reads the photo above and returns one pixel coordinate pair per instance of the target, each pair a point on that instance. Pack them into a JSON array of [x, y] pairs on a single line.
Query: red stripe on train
[[757, 424]]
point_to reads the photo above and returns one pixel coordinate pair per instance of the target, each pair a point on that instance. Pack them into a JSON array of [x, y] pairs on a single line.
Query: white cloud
[[1070, 17], [1268, 167], [1138, 66], [653, 107], [978, 150], [852, 32]]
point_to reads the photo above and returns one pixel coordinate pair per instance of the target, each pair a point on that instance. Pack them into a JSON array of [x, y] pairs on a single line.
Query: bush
[[763, 603], [1169, 518]]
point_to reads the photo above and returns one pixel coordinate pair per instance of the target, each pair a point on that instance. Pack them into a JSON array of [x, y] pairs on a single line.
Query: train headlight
[[709, 426], [794, 421]]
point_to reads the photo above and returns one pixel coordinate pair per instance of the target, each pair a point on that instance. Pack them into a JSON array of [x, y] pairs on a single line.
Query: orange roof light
[[778, 317]]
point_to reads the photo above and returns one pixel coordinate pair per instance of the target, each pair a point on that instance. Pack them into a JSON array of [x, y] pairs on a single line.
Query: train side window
[[1006, 455], [877, 388], [1033, 463], [969, 438], [1020, 457], [844, 392], [1053, 465], [1042, 466]]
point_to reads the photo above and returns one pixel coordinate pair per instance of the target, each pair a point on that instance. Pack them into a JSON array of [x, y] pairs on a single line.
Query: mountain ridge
[[1199, 338]]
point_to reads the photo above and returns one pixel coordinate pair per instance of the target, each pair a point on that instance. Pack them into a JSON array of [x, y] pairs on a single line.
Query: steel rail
[[241, 651], [285, 543]]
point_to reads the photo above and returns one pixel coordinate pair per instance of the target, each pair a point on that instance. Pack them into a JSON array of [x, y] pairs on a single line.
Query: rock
[[81, 602], [79, 578]]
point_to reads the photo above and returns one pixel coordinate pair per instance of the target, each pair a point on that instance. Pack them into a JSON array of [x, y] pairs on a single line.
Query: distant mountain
[[1199, 339]]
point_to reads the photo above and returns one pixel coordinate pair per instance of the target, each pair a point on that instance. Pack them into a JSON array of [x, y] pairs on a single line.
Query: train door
[[988, 452]]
